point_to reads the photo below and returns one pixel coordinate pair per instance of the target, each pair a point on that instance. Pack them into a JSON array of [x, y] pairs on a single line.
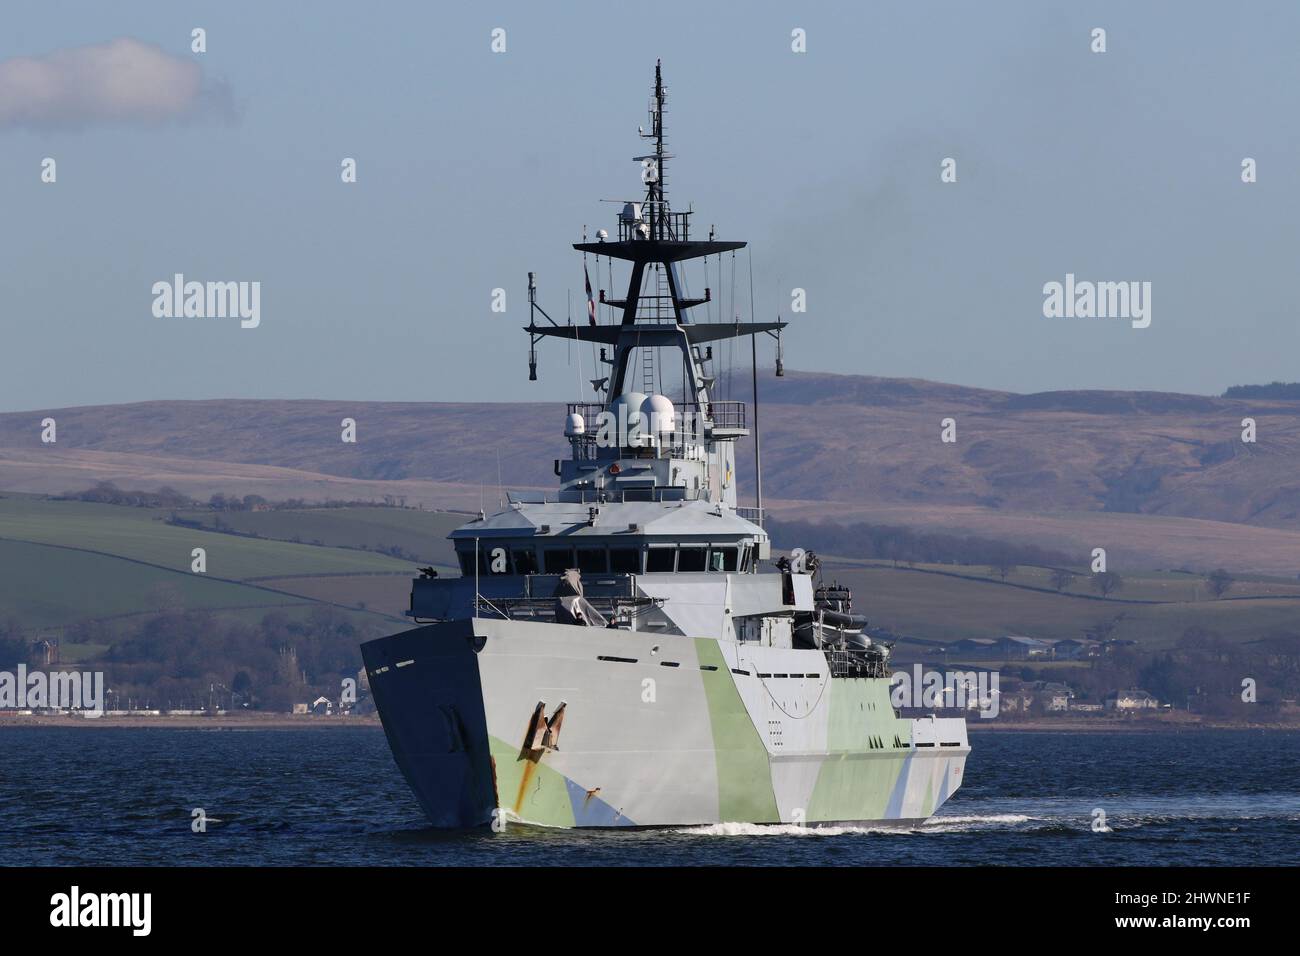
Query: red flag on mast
[[591, 303]]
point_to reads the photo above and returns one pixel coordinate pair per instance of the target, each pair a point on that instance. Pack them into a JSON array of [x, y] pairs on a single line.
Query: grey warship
[[623, 651]]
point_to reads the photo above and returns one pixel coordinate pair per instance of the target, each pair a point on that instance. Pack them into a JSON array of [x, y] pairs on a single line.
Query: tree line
[[1286, 391], [107, 492], [1204, 672], [180, 655], [910, 546]]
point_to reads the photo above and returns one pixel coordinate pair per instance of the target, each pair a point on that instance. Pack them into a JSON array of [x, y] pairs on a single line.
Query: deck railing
[[693, 423]]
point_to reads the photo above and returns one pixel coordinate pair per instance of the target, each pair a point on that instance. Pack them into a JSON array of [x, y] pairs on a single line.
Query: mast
[[651, 235], [758, 441], [655, 184], [655, 319], [758, 438]]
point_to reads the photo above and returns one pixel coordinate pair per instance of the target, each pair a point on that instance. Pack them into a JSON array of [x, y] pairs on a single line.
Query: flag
[[591, 303]]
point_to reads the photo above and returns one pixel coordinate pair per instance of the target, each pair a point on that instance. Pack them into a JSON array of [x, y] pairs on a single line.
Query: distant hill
[[861, 446], [877, 441], [1287, 391]]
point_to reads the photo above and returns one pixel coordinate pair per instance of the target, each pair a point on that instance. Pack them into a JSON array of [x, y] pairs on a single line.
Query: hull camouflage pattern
[[656, 730]]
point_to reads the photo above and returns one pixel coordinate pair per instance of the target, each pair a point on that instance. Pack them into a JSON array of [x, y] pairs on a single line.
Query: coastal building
[[1016, 647], [974, 648], [1051, 696], [1071, 649], [1055, 697], [1011, 647], [1132, 699]]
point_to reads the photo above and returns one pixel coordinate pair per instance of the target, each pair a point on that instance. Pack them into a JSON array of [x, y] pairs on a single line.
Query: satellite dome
[[626, 410], [574, 426], [630, 400], [658, 414]]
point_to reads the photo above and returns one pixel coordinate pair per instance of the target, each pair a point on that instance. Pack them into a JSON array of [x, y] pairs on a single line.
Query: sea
[[333, 796]]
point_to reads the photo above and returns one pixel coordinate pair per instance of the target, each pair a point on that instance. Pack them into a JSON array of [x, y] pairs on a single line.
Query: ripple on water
[[274, 797]]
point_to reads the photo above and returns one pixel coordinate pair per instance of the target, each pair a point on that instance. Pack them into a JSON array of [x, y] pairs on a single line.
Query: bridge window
[[660, 560], [624, 560], [558, 560], [499, 559], [691, 559], [494, 559], [525, 560], [722, 559], [592, 561]]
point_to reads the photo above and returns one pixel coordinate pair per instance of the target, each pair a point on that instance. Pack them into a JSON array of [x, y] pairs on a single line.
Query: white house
[[1131, 700]]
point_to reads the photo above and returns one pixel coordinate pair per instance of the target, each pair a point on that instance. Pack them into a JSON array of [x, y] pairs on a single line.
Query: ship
[[624, 651]]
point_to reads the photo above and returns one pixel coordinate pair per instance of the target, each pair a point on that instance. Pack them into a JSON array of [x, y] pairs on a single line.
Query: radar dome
[[574, 426], [658, 414], [626, 410]]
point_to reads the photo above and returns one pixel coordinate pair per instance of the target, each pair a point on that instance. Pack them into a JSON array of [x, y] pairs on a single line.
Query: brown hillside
[[871, 444]]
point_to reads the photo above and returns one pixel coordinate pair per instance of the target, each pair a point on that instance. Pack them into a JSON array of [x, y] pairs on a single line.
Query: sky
[[475, 167]]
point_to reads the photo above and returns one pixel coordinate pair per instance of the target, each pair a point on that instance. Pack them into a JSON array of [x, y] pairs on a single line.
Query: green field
[[382, 593], [142, 534], [422, 534], [1139, 585], [43, 587], [947, 607], [70, 561], [1144, 585]]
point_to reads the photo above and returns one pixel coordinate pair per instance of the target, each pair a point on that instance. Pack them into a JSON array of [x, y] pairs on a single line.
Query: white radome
[[658, 414], [626, 410]]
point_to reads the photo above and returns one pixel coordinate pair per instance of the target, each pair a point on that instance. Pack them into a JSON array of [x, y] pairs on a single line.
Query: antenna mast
[[654, 196], [758, 440]]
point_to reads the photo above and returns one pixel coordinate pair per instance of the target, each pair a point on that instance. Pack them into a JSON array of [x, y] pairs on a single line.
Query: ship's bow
[[427, 689]]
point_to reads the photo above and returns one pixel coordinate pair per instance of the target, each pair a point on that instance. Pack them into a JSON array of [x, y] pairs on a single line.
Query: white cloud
[[123, 81]]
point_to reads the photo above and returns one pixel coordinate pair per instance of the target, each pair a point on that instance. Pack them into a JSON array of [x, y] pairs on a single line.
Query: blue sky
[[475, 168]]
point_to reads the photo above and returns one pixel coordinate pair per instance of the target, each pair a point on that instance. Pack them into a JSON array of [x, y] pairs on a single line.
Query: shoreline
[[1138, 726], [372, 722], [194, 722]]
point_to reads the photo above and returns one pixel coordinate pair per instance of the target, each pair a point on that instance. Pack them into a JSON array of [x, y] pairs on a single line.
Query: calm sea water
[[112, 797]]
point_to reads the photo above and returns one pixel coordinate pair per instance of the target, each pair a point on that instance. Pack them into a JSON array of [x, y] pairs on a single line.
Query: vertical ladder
[[648, 370], [662, 304]]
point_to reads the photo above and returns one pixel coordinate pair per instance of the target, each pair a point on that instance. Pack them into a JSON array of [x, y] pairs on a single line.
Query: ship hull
[[655, 730]]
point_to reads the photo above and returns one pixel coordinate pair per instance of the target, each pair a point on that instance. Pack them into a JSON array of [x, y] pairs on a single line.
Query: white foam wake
[[933, 825], [780, 829], [983, 818]]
